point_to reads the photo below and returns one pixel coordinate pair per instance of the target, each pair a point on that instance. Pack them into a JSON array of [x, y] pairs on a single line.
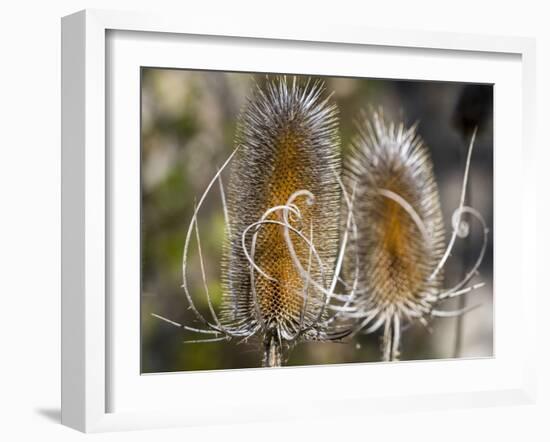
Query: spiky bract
[[288, 142]]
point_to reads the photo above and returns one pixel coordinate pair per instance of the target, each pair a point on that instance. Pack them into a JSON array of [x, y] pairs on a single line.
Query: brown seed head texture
[[397, 210], [288, 141]]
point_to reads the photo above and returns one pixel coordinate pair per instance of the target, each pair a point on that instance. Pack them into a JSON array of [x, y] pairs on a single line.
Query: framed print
[[304, 218]]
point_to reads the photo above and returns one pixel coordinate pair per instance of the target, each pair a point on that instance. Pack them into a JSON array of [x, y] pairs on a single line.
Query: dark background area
[[188, 125]]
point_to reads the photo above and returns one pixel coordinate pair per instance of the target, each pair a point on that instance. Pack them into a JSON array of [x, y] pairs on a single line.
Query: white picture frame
[[89, 363]]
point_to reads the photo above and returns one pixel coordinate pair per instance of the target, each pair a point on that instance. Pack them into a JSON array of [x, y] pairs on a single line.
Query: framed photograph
[[301, 218]]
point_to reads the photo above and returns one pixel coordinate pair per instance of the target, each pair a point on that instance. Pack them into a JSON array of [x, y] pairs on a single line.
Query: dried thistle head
[[283, 198], [400, 225], [282, 257], [399, 248]]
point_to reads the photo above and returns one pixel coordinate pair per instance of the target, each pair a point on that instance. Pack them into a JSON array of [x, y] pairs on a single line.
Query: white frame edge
[[84, 198], [83, 222]]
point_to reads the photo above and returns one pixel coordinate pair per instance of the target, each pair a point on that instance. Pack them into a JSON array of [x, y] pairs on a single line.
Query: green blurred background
[[187, 130]]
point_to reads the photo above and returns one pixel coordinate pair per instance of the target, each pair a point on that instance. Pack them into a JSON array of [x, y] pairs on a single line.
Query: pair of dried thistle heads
[[319, 252]]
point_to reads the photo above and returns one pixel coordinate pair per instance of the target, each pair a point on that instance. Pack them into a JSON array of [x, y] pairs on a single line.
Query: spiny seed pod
[[283, 204], [400, 231]]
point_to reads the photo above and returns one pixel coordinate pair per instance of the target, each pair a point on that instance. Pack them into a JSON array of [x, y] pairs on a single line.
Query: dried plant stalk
[[283, 203], [400, 227]]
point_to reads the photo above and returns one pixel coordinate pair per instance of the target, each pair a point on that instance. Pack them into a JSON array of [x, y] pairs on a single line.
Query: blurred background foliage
[[187, 131]]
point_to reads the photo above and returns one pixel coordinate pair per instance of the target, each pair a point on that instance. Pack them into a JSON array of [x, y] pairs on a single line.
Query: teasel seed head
[[285, 173], [400, 230]]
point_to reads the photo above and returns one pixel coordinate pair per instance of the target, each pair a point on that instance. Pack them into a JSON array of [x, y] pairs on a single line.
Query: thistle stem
[[457, 348], [272, 352], [462, 301], [391, 339], [387, 342]]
